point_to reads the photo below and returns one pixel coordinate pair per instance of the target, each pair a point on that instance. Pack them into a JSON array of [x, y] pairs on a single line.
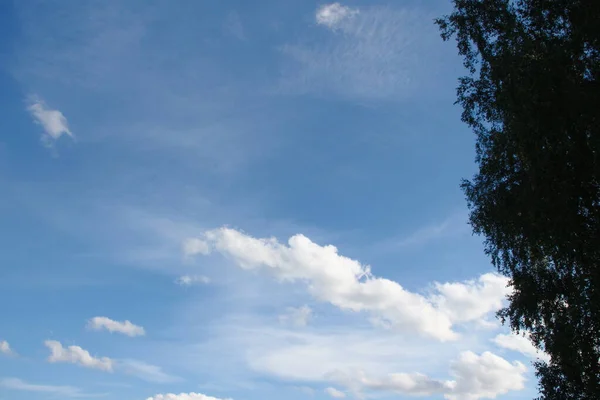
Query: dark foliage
[[532, 98]]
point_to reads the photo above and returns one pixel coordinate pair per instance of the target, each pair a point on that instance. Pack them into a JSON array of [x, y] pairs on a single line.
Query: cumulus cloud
[[5, 348], [136, 368], [331, 15], [349, 285], [62, 391], [52, 121], [77, 355], [126, 327], [470, 300], [183, 396], [484, 376], [189, 280], [335, 393], [296, 316], [520, 343]]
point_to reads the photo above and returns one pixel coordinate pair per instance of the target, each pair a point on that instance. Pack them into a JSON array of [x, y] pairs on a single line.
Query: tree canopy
[[532, 97]]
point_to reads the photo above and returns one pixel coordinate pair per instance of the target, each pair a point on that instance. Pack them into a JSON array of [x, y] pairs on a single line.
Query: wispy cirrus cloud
[[56, 390], [101, 50], [367, 53], [145, 371], [183, 396], [189, 280], [454, 225], [126, 327], [297, 316]]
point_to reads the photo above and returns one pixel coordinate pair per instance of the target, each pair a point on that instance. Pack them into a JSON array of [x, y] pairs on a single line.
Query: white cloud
[[53, 121], [77, 355], [349, 285], [363, 362], [335, 393], [339, 280], [5, 348], [379, 53], [484, 377], [520, 343], [475, 377], [414, 384], [183, 396], [304, 356], [188, 280], [194, 246], [126, 327], [470, 300], [296, 316], [63, 391], [488, 324], [144, 371], [333, 14]]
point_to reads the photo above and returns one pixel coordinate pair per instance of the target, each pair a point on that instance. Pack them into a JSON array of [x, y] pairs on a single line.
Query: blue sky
[[241, 200]]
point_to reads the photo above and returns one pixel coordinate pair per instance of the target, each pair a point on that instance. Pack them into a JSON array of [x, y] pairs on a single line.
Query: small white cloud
[[521, 344], [126, 327], [187, 280], [331, 15], [53, 121], [62, 391], [5, 348], [335, 393], [183, 396], [194, 246], [77, 355], [296, 316], [145, 371]]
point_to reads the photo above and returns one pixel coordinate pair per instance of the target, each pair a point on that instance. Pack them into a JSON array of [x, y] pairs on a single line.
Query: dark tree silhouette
[[532, 97]]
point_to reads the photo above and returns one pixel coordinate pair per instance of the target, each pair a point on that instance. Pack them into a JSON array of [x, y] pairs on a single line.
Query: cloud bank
[[349, 285]]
